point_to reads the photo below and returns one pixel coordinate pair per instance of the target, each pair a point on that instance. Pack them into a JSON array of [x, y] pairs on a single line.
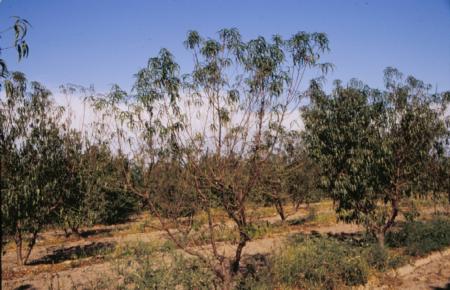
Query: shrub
[[413, 213], [421, 237], [377, 257], [118, 206], [312, 214]]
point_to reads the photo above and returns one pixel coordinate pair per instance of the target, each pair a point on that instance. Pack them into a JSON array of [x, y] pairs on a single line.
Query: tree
[[94, 193], [372, 146], [33, 163], [287, 175], [302, 180], [209, 125]]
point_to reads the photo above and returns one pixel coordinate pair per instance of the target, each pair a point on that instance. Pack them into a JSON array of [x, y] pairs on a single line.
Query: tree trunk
[[227, 280], [223, 272], [18, 240], [297, 205], [66, 232], [75, 232], [237, 259], [30, 247], [280, 209], [381, 239], [381, 235]]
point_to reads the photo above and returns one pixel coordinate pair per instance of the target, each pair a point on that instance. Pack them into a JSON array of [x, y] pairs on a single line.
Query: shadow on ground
[[96, 232], [75, 252], [446, 287], [25, 287], [298, 221]]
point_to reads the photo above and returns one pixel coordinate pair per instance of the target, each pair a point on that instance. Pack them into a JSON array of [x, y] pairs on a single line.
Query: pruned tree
[[373, 145]]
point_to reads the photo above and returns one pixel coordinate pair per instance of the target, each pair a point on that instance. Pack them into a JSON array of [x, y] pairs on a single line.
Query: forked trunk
[[30, 247], [280, 209], [381, 235]]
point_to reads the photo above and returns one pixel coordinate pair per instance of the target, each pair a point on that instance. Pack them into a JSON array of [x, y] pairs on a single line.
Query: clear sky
[[102, 42]]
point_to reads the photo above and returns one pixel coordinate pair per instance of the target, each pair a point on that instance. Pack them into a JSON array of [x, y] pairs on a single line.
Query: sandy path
[[435, 275], [86, 275]]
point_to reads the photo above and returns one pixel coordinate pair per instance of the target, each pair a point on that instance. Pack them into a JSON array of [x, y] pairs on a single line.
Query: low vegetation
[[305, 261], [422, 237]]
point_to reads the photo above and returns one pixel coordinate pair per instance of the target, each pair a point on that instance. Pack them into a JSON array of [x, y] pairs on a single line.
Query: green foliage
[[319, 263], [20, 29], [412, 213], [421, 237], [147, 269], [372, 146], [287, 175], [95, 194], [34, 174], [118, 207], [239, 93], [107, 201], [377, 257], [258, 230]]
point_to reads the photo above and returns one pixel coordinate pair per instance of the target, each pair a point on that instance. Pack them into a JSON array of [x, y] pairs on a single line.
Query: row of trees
[[51, 175], [224, 136]]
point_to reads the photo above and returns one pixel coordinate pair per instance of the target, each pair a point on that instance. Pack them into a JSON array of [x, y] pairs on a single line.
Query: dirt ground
[[53, 267], [432, 272], [434, 275]]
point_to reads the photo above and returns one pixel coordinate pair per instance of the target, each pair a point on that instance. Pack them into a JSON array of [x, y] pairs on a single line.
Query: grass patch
[[420, 238], [262, 229], [158, 266], [317, 262]]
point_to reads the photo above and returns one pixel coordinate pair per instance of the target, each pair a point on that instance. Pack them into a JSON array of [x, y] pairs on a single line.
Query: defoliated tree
[[209, 126], [372, 146], [242, 93]]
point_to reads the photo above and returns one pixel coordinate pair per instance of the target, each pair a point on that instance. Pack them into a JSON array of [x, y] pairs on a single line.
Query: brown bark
[[243, 238], [30, 247], [280, 209], [18, 241], [381, 235]]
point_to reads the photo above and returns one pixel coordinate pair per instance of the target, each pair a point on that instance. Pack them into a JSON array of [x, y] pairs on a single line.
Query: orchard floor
[[79, 262]]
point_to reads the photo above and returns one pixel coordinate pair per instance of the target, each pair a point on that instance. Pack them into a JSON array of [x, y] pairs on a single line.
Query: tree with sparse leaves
[[218, 125]]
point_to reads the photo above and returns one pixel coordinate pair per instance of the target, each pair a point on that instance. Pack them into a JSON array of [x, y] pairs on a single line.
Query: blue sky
[[102, 42]]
